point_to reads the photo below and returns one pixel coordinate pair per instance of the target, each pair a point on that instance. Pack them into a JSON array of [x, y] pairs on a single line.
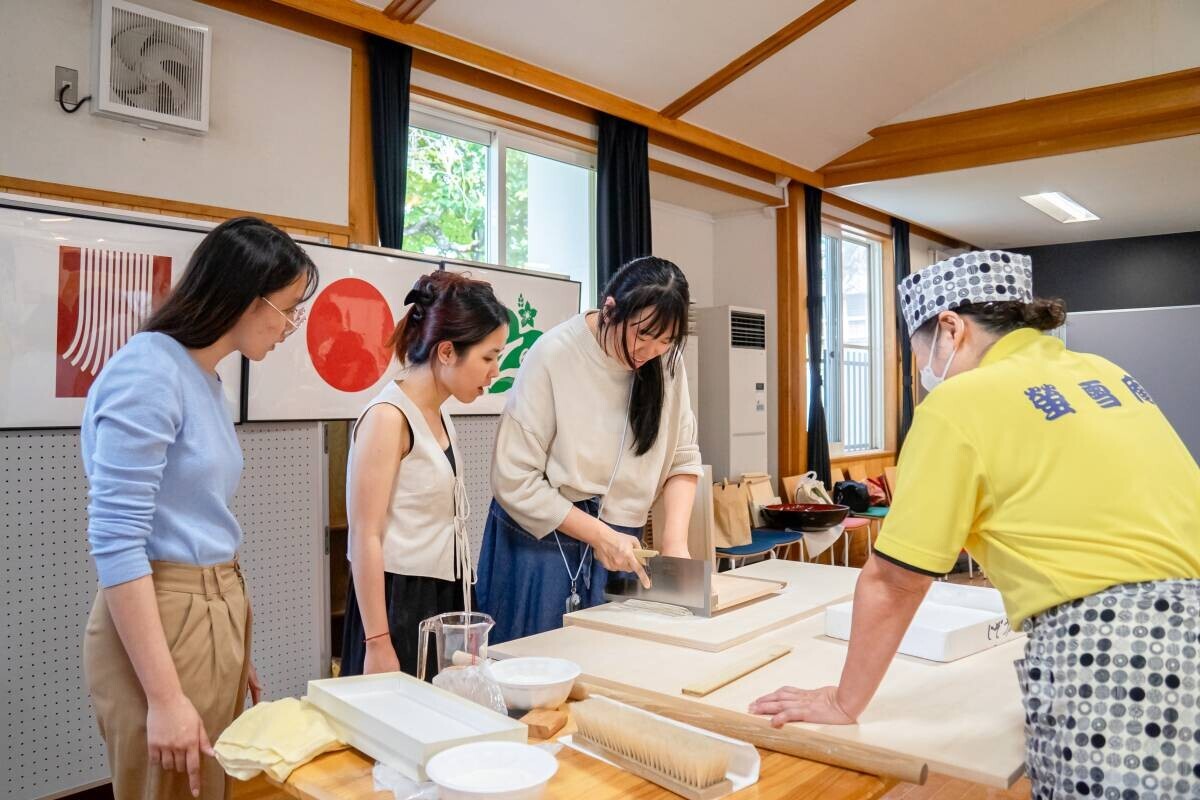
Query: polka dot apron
[[1111, 689]]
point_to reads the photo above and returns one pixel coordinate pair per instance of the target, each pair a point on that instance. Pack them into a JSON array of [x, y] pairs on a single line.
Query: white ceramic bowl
[[535, 682], [491, 770]]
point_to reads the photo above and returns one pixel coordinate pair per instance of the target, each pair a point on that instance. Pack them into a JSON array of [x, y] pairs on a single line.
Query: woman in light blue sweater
[[167, 647]]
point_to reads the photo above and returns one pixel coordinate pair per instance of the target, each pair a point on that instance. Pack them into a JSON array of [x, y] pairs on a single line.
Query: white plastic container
[[951, 623], [404, 722], [492, 770], [535, 682]]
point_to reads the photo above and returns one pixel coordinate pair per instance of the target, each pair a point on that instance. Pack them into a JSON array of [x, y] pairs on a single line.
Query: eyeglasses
[[294, 319]]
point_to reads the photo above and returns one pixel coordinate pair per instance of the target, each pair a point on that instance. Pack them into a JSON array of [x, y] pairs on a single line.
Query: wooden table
[[346, 775]]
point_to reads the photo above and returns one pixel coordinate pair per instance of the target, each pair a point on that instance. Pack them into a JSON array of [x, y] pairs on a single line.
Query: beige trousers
[[205, 616]]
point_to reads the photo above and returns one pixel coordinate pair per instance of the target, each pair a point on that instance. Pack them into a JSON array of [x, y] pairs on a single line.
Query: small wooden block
[[579, 691], [544, 722]]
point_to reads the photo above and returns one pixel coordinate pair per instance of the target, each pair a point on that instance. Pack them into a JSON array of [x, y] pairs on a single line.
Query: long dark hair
[[657, 284], [1001, 317], [446, 307], [239, 261]]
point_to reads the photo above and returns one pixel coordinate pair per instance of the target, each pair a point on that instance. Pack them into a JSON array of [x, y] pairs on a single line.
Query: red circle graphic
[[347, 330]]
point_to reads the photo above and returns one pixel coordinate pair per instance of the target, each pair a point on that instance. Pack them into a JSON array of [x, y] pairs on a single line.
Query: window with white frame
[[487, 193], [852, 366]]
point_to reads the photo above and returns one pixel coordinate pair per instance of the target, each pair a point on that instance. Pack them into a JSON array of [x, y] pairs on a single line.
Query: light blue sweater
[[162, 461]]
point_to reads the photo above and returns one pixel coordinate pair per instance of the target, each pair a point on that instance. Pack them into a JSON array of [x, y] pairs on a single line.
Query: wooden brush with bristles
[[683, 761]]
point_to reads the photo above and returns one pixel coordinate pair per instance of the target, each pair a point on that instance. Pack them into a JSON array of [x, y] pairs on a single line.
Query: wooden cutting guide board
[[963, 718], [809, 588], [729, 591]]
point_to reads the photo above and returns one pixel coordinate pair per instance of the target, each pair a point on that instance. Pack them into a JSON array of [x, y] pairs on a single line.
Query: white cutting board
[[963, 718], [809, 588]]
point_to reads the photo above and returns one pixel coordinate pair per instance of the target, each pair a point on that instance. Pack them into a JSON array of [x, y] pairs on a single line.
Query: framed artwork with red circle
[[339, 360]]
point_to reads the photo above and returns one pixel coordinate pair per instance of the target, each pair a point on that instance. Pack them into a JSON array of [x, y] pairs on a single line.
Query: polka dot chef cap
[[978, 277]]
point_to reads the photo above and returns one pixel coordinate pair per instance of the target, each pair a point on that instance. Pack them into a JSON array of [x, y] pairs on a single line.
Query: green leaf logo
[[521, 336]]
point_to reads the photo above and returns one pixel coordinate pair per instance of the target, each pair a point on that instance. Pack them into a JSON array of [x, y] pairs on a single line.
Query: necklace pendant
[[574, 602]]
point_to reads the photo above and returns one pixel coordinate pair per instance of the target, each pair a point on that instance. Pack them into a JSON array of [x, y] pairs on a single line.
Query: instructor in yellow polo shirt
[[1062, 478]]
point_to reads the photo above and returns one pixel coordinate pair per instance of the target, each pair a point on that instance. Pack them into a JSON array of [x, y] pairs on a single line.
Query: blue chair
[[763, 541]]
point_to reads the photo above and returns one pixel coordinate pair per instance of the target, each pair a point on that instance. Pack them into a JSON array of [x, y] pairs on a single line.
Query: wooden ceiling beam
[[370, 20], [586, 143], [479, 79], [747, 61], [407, 11], [1143, 110], [874, 214]]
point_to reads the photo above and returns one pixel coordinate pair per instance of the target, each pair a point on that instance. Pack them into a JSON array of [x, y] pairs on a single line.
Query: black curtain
[[391, 65], [903, 265], [622, 196], [818, 433]]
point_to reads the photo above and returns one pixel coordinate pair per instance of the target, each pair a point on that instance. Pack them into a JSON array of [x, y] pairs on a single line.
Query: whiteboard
[[1157, 346]]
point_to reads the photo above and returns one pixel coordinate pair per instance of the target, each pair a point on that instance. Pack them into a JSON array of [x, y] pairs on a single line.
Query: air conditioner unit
[[150, 68], [733, 389]]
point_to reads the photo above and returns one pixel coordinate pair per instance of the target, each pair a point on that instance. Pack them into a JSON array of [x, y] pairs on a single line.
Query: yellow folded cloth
[[274, 738]]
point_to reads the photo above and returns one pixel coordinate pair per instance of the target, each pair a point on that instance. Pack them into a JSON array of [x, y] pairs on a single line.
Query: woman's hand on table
[[789, 704], [381, 657]]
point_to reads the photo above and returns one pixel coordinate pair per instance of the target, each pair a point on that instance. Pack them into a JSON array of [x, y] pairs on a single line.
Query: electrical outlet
[[69, 77]]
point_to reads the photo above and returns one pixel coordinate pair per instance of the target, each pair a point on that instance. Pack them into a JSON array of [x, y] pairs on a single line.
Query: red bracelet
[[376, 636]]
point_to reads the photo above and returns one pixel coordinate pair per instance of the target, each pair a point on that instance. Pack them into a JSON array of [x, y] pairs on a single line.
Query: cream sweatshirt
[[561, 430]]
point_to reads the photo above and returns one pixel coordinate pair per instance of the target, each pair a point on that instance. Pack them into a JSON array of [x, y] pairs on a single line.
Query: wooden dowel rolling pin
[[790, 739]]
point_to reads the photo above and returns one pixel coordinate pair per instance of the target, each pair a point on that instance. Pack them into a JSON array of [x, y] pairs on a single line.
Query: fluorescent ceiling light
[[1059, 206]]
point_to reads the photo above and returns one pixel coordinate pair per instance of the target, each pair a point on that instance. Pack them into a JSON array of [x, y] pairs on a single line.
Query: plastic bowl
[[805, 516], [492, 770], [535, 682]]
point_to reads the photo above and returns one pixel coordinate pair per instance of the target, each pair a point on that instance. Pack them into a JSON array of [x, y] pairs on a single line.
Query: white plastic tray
[[403, 722], [951, 623]]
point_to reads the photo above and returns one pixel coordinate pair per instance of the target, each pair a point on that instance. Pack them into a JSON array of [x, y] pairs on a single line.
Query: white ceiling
[[1121, 40], [875, 62], [818, 97], [649, 51], [1137, 190]]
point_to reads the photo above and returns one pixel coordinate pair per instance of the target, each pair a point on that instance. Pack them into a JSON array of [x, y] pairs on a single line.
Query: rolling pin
[[793, 740], [709, 683]]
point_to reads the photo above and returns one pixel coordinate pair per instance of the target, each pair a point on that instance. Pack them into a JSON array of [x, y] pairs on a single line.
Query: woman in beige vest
[[409, 554]]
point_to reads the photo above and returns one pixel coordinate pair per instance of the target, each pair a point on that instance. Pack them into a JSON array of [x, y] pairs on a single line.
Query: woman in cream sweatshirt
[[597, 426]]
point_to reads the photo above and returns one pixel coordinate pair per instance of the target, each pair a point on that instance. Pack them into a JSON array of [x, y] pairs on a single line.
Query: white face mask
[[929, 379]]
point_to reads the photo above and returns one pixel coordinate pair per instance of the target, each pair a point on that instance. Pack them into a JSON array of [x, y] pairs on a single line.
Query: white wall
[[685, 236], [279, 115], [744, 264]]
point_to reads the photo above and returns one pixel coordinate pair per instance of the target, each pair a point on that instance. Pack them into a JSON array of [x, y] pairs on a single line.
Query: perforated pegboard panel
[[476, 439], [51, 744], [281, 505]]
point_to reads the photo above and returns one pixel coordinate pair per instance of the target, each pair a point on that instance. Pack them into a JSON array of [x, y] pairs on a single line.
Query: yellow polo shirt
[[1054, 469]]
